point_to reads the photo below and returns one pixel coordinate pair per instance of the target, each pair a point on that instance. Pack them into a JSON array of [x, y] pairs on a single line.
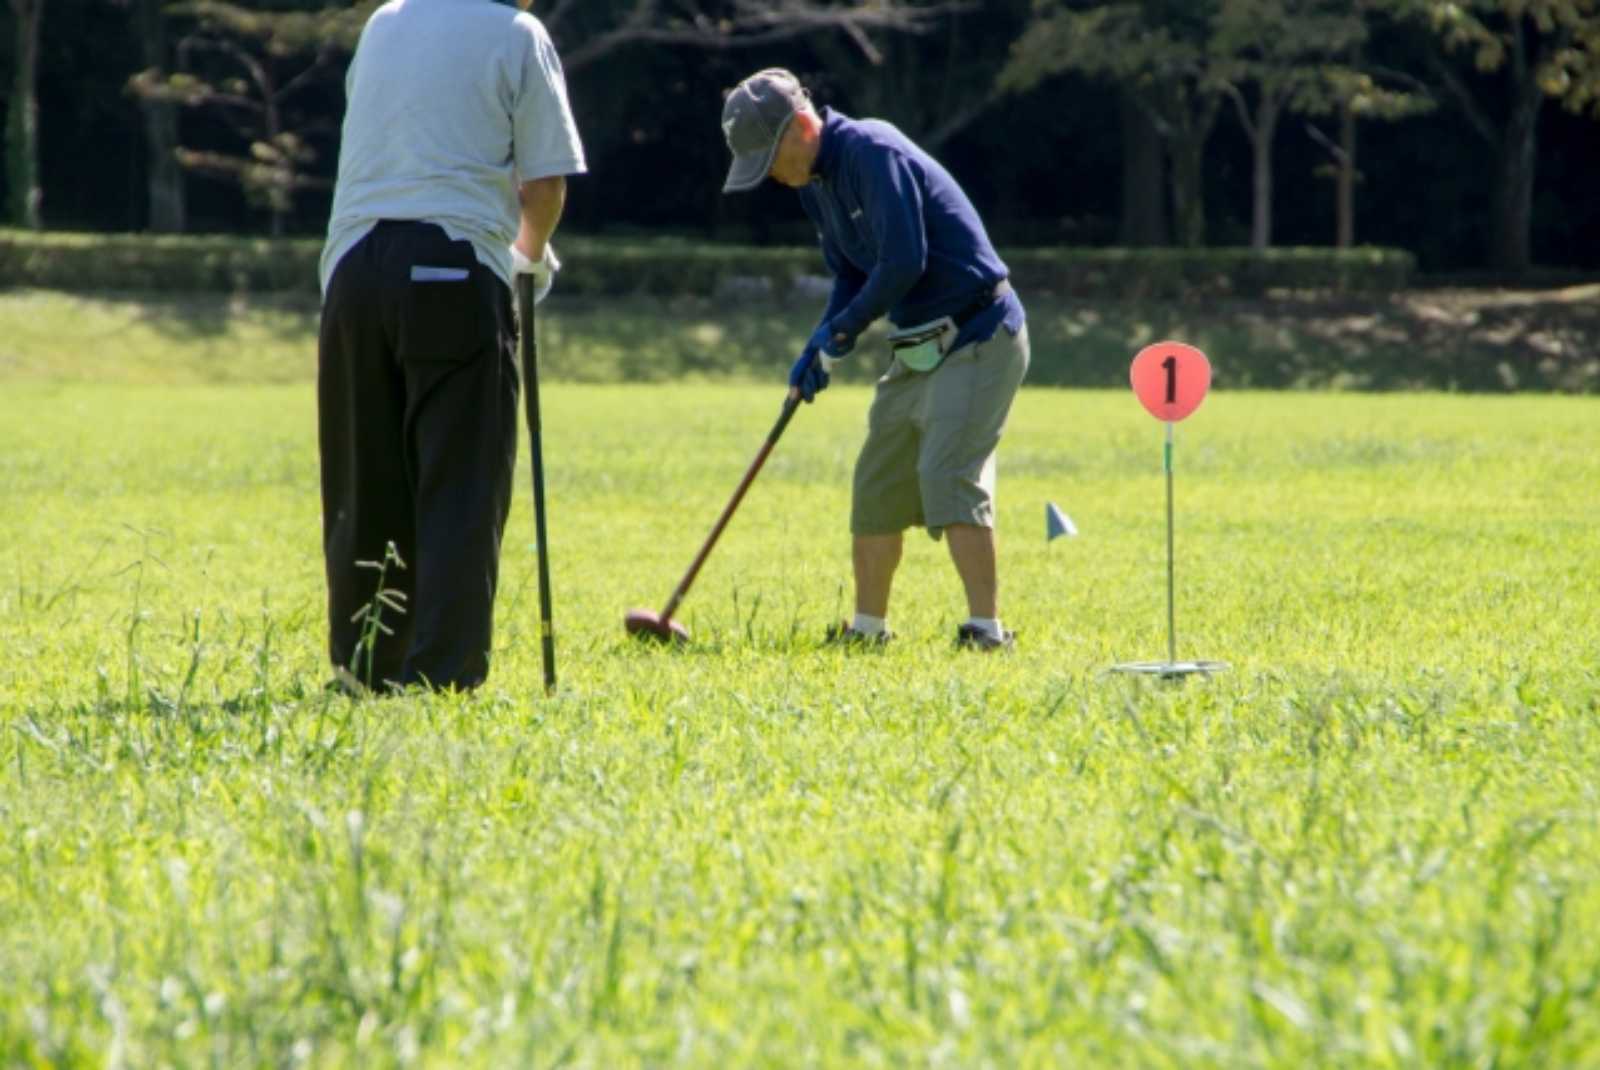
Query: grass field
[[1374, 842]]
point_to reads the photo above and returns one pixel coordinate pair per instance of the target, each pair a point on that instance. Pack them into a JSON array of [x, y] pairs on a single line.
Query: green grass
[[1374, 842]]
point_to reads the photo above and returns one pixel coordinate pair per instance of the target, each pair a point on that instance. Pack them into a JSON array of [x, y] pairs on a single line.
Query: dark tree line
[[1463, 130]]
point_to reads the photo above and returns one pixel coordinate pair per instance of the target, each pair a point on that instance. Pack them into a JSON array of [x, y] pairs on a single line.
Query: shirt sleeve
[[892, 199], [544, 135], [847, 279]]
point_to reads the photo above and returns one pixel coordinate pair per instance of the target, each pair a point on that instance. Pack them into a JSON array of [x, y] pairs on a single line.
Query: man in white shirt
[[457, 139]]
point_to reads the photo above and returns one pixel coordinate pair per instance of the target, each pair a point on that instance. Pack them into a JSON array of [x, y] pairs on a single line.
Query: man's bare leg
[[973, 550], [875, 557]]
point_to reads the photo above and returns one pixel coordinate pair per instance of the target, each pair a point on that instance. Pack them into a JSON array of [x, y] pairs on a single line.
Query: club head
[[647, 625]]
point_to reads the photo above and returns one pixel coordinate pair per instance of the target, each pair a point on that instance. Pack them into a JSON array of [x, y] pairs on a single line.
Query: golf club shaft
[[530, 388], [1172, 614], [789, 406]]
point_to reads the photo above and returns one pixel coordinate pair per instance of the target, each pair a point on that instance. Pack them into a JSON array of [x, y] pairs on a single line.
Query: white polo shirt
[[451, 104]]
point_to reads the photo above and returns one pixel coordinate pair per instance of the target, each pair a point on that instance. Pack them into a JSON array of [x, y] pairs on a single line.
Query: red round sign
[[1171, 379]]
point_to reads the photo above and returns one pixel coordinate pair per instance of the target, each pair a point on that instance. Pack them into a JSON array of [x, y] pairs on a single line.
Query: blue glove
[[807, 375], [830, 345], [810, 373]]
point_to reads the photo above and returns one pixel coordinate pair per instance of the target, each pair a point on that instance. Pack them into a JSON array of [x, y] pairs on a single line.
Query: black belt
[[980, 303]]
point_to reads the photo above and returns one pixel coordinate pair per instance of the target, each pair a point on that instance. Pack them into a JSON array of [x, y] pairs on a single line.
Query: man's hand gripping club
[[809, 374], [543, 269]]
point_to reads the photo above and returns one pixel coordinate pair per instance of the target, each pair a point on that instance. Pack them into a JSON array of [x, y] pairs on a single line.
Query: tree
[[593, 31], [1359, 92], [936, 79], [1144, 214], [22, 121], [166, 211], [1539, 50], [1158, 52], [247, 67], [1273, 56]]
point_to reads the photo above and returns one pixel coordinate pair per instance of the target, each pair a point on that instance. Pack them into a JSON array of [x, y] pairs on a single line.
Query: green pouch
[[923, 347]]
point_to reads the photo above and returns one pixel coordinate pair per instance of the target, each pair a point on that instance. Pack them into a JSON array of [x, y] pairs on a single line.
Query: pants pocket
[[449, 314]]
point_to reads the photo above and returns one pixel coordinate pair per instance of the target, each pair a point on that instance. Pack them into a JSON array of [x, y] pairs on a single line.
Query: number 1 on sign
[[1171, 379]]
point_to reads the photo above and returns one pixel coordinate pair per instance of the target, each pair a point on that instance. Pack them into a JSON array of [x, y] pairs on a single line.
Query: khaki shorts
[[929, 456]]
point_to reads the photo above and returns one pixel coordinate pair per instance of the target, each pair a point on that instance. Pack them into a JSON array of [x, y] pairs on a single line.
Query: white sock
[[868, 625], [990, 626]]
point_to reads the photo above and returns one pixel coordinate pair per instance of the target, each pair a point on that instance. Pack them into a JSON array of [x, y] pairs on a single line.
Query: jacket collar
[[827, 161]]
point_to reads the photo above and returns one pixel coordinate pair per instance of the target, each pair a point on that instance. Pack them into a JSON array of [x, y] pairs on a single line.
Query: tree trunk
[[1144, 209], [167, 212], [1346, 181], [1189, 115], [1265, 128], [22, 124], [1511, 221], [1188, 191], [168, 208]]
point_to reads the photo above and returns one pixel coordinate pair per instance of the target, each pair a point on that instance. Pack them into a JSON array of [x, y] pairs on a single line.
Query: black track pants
[[417, 422]]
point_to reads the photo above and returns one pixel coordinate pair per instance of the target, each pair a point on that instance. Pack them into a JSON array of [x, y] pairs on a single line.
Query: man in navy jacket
[[903, 241]]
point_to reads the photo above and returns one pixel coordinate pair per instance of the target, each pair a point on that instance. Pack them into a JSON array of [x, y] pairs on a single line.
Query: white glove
[[543, 270]]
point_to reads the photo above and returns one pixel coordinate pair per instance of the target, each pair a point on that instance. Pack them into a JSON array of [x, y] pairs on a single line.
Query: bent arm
[[847, 281], [542, 201], [894, 206]]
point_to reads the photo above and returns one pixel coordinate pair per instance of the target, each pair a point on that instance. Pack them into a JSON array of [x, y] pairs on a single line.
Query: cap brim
[[748, 170]]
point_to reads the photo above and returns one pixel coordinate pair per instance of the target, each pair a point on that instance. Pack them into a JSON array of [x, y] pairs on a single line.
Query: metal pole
[[1172, 615], [530, 387]]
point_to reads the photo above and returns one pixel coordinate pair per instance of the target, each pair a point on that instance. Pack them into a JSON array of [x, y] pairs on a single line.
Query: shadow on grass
[[1472, 340], [209, 317]]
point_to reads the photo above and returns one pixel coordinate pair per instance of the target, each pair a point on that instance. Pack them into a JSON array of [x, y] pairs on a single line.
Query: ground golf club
[[661, 627], [530, 395]]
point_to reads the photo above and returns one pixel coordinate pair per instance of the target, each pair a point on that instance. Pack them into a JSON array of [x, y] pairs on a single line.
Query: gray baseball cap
[[754, 117]]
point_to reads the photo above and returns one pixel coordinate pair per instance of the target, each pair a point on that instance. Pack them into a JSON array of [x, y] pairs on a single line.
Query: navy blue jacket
[[898, 233]]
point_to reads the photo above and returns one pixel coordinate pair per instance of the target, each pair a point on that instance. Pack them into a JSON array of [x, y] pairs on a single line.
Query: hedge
[[672, 266]]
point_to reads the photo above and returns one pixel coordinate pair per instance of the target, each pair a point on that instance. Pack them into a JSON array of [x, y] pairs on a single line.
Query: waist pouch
[[923, 347]]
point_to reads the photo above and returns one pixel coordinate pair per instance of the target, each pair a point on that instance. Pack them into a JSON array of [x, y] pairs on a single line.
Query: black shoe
[[842, 634], [971, 637]]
